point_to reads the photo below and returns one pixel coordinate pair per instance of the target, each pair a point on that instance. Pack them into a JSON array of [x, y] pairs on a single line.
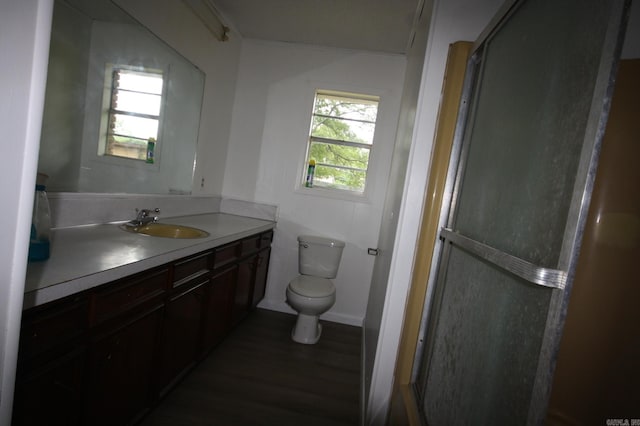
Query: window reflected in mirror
[[133, 113]]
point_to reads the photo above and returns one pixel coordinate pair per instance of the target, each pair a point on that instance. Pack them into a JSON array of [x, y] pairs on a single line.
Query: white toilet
[[313, 293]]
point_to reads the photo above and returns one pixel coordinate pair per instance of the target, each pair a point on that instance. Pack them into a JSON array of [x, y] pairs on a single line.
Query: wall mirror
[[112, 87]]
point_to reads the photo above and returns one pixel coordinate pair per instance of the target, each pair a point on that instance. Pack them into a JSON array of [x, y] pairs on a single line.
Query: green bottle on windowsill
[[151, 146]]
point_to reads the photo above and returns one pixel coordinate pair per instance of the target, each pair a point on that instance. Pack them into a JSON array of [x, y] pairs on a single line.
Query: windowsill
[[335, 194], [114, 160]]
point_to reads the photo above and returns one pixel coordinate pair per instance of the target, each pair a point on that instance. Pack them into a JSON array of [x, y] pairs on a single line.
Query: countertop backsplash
[[77, 209], [249, 209]]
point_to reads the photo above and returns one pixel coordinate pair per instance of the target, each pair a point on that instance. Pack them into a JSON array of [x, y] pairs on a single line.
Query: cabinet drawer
[[118, 298], [226, 254], [191, 267], [52, 326], [250, 245]]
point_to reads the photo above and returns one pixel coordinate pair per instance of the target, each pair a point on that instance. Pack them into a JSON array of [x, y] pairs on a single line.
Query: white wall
[[176, 24], [378, 292], [24, 46], [451, 21], [271, 118]]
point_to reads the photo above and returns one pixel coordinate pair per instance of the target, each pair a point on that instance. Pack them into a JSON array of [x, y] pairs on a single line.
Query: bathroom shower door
[[531, 120]]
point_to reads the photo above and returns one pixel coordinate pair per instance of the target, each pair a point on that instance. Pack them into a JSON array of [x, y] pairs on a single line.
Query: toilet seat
[[309, 286]]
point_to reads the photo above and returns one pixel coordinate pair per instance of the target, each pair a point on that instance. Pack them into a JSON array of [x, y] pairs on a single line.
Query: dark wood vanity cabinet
[[217, 315], [260, 281], [107, 355], [246, 273], [182, 330], [52, 393], [121, 369], [125, 319], [252, 274], [50, 376], [251, 283]]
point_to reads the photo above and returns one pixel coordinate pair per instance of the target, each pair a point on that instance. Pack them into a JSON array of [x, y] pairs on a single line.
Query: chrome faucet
[[144, 217]]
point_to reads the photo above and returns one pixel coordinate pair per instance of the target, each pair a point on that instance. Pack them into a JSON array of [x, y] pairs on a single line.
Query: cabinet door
[[261, 277], [120, 370], [52, 394], [51, 363], [181, 332], [244, 286], [217, 321]]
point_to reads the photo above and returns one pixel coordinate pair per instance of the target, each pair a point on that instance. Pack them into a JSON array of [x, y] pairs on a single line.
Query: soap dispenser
[[40, 222]]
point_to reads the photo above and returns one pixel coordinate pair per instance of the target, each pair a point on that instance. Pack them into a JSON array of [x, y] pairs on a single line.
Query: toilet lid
[[309, 286]]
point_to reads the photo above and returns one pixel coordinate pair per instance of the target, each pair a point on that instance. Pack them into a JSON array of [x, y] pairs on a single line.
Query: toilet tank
[[319, 256]]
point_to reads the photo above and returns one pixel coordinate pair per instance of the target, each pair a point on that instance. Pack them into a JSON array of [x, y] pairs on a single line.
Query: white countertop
[[83, 257]]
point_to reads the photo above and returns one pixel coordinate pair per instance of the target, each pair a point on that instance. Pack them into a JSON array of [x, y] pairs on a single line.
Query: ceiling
[[375, 25]]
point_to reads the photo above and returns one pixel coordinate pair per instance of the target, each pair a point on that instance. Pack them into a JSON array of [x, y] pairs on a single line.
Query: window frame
[[334, 192], [107, 111]]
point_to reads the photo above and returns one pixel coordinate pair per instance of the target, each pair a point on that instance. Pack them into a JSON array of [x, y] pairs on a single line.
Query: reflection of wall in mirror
[[63, 118]]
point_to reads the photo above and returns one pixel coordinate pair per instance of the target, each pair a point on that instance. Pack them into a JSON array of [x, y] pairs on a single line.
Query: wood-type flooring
[[259, 376]]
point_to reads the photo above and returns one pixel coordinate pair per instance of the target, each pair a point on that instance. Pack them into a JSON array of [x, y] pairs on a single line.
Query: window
[[341, 139], [133, 113]]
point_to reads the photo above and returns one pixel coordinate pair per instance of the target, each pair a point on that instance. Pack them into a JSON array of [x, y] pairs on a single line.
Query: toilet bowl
[[311, 297], [313, 293]]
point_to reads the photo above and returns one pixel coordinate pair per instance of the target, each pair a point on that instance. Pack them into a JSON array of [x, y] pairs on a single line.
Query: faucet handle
[[142, 213]]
